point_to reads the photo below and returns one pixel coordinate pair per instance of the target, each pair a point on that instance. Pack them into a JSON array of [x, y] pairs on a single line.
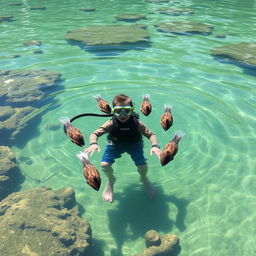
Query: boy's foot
[[107, 194]]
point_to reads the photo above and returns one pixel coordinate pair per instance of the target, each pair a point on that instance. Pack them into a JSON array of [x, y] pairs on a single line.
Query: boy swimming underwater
[[125, 132]]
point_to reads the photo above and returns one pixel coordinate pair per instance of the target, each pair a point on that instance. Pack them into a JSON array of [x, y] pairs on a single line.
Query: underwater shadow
[[136, 214], [112, 50], [96, 247], [12, 183], [247, 69]]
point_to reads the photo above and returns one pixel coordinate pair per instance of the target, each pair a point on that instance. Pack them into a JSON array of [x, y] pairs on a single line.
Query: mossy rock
[[20, 86], [160, 245], [42, 221], [107, 35], [175, 11], [12, 120], [243, 53], [130, 17], [185, 27]]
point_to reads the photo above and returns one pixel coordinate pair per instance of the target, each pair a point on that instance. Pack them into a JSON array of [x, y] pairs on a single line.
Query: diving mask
[[123, 110]]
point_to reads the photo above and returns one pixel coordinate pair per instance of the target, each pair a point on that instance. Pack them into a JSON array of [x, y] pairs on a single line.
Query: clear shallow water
[[207, 195]]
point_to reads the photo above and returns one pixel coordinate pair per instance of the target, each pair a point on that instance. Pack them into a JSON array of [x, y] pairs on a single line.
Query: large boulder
[[43, 222], [185, 27], [160, 245], [242, 53], [107, 35], [10, 175]]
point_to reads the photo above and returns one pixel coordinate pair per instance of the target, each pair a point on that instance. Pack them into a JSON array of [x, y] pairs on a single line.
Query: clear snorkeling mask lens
[[123, 110]]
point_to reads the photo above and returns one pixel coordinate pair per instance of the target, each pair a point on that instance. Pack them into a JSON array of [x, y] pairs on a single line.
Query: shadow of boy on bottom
[[136, 214]]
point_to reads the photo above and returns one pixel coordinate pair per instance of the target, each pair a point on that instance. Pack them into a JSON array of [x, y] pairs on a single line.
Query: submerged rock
[[26, 86], [21, 93], [220, 36], [6, 18], [38, 52], [13, 56], [130, 17], [33, 42], [15, 4], [175, 11], [185, 27], [88, 9], [157, 1], [9, 172], [152, 238], [241, 53], [107, 35], [43, 222], [11, 120], [164, 245], [143, 26], [37, 8]]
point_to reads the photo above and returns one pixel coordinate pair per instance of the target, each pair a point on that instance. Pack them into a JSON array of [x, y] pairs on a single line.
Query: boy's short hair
[[122, 99]]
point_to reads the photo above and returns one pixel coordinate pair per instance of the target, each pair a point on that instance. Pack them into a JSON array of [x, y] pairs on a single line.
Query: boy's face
[[123, 112]]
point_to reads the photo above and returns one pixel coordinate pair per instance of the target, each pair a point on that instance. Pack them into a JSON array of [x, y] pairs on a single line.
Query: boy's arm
[[155, 149], [100, 131], [147, 133]]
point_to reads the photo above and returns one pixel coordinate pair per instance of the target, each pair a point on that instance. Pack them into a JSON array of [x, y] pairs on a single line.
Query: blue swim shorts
[[135, 150]]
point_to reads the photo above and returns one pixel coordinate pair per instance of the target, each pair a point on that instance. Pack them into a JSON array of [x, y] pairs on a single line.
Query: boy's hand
[[155, 150], [92, 148]]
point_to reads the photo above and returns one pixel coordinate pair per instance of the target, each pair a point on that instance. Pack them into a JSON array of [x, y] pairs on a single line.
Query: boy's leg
[[137, 154], [107, 194], [111, 153]]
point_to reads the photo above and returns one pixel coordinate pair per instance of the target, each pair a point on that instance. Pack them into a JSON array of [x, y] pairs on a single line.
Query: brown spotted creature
[[72, 132], [103, 104], [90, 172], [146, 106], [167, 118], [170, 149]]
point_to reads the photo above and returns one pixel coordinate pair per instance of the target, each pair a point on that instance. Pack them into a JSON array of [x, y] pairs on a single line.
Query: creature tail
[[146, 97], [65, 121], [167, 108], [178, 136], [97, 97], [83, 157]]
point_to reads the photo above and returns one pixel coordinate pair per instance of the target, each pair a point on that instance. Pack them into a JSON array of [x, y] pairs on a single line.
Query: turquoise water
[[207, 195]]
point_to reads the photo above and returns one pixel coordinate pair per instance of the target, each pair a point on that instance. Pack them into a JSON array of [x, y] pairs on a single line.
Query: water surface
[[207, 195]]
